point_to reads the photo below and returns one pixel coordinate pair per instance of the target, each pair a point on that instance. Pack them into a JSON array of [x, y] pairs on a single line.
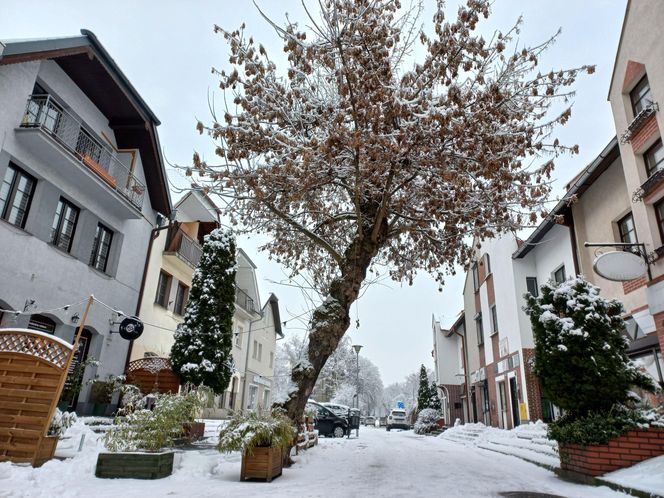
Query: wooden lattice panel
[[153, 375], [32, 375]]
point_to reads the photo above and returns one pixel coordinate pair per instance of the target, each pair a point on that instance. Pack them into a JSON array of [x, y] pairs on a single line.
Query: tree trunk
[[329, 322]]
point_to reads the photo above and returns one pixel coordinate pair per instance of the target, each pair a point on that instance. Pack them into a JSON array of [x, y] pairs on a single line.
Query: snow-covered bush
[[427, 420], [250, 430], [61, 422], [152, 430], [201, 354], [581, 362]]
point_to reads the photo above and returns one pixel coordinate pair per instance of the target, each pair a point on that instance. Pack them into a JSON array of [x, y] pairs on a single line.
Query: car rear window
[[399, 414]]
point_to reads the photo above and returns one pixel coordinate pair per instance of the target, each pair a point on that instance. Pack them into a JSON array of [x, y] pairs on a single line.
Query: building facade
[[449, 368], [82, 184]]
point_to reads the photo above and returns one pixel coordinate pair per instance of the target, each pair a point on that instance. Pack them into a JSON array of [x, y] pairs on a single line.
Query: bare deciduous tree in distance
[[353, 162]]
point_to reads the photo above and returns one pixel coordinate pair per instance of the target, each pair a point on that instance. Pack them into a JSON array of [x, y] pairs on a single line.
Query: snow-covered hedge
[[427, 420]]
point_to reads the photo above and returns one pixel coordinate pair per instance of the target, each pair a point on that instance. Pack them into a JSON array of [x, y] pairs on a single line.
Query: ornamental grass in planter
[[140, 443], [262, 437]]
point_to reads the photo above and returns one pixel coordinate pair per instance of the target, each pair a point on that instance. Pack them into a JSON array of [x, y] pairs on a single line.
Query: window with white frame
[[253, 395], [476, 277], [559, 275], [494, 320], [238, 336], [260, 352], [254, 355], [266, 399], [478, 327]]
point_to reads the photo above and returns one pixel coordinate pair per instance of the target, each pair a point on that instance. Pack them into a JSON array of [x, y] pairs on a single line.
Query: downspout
[[572, 238], [153, 235], [465, 368]]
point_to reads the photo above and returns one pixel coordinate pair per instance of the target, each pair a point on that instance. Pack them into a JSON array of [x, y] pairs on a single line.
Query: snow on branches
[[352, 142], [201, 353]]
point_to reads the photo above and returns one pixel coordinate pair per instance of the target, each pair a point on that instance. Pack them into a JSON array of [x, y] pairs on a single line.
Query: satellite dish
[[131, 328], [620, 266]]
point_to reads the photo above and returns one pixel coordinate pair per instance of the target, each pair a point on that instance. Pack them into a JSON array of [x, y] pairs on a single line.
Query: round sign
[[131, 328], [620, 266]]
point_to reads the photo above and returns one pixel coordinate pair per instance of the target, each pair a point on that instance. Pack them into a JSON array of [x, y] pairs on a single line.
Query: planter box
[[135, 465], [623, 451], [46, 450], [262, 463], [194, 431]]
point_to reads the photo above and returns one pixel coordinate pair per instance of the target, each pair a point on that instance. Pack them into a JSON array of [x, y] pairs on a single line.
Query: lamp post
[[357, 348]]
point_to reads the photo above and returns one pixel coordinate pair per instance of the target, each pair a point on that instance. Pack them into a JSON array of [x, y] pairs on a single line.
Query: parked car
[[369, 420], [341, 410], [397, 420], [327, 422]]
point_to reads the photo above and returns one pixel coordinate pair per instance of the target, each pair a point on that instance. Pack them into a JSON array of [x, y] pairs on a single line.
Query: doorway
[[502, 413], [514, 398]]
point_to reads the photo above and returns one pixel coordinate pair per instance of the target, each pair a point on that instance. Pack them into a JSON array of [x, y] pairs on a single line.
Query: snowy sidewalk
[[379, 463]]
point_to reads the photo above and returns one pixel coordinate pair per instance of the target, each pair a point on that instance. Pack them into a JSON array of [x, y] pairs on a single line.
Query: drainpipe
[[466, 374], [154, 233]]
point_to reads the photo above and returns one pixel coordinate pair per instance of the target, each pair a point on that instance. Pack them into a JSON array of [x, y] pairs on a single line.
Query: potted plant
[[262, 438], [59, 424], [101, 393], [74, 384], [140, 443]]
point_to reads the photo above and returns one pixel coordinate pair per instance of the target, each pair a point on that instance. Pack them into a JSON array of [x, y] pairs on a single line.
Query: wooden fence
[[153, 375], [33, 370]]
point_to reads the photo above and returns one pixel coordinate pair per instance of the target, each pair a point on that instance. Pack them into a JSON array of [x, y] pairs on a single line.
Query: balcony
[[184, 247], [245, 301], [47, 125]]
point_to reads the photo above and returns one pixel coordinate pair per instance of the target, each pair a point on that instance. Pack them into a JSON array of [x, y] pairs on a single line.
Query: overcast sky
[[167, 47]]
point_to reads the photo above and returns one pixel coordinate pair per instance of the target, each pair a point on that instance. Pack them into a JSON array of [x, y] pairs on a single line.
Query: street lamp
[[357, 348]]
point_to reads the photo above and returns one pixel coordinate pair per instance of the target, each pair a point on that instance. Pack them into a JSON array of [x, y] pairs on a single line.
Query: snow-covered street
[[379, 463]]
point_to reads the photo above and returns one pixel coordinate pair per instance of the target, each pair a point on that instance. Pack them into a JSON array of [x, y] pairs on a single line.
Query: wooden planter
[[623, 451], [135, 465], [262, 463], [194, 431], [46, 450]]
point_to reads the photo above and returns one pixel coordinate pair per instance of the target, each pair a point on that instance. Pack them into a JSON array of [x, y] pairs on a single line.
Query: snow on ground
[[379, 463], [646, 476]]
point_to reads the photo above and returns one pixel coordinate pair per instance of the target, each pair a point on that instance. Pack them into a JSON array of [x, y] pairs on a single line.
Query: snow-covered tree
[[580, 356], [201, 354], [434, 399], [423, 391], [356, 158]]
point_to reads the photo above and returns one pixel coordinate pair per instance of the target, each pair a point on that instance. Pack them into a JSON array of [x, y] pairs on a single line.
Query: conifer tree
[[424, 392], [201, 354], [434, 399], [580, 356]]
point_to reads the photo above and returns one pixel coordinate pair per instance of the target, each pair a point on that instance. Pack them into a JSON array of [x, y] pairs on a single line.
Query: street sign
[[401, 405]]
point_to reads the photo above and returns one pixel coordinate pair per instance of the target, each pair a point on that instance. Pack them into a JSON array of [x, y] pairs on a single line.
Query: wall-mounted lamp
[[75, 318]]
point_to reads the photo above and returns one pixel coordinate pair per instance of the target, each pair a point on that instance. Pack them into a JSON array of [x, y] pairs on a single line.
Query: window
[[478, 326], [654, 158], [487, 262], [659, 211], [640, 96], [64, 225], [163, 289], [42, 323], [260, 352], [476, 277], [101, 248], [181, 298], [494, 320], [531, 286], [271, 360], [253, 394], [266, 398], [559, 275], [238, 336], [254, 355], [15, 195], [627, 232]]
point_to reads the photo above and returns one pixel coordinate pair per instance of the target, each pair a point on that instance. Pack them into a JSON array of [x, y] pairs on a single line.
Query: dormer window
[[640, 96], [654, 158]]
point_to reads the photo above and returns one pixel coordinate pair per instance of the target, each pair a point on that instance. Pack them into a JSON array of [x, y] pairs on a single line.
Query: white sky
[[167, 47]]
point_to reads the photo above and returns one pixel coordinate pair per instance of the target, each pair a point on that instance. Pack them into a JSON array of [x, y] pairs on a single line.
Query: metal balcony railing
[[244, 300], [649, 185], [45, 113], [185, 247], [638, 122]]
